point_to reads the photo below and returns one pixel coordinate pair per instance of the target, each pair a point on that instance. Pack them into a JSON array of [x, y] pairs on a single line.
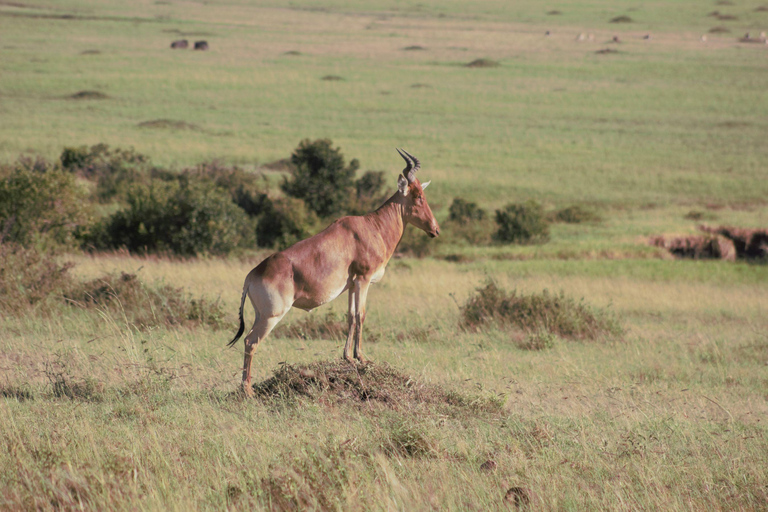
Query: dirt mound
[[89, 95], [332, 78], [168, 124], [414, 47], [696, 247], [338, 381], [292, 53], [482, 63], [719, 30], [622, 19]]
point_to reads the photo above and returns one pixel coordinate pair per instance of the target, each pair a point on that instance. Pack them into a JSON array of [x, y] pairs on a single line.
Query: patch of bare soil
[[605, 51], [89, 95], [719, 30], [332, 78], [554, 13], [90, 52], [292, 53], [622, 19], [414, 47], [726, 17], [421, 86], [338, 381], [168, 124], [696, 247], [762, 8]]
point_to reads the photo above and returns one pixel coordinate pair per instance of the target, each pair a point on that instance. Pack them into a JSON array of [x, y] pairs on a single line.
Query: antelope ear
[[402, 184], [425, 185]]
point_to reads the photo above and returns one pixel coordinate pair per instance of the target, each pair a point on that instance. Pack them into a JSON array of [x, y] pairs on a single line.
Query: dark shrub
[[468, 222], [321, 178], [522, 223], [536, 313], [113, 170], [29, 277], [182, 218], [247, 190], [464, 211], [416, 243], [142, 305], [575, 215], [370, 193], [284, 222], [40, 205]]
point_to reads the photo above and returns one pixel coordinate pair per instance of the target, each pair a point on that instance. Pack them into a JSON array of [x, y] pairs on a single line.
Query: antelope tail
[[242, 324]]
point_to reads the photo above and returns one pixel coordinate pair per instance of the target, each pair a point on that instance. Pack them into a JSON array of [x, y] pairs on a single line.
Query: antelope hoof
[[247, 390]]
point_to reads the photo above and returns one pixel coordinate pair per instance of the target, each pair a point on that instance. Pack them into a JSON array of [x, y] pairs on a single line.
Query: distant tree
[[522, 223], [321, 178], [40, 204]]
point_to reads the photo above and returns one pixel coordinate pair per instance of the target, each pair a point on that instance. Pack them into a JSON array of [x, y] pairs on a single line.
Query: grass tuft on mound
[[338, 381], [543, 312]]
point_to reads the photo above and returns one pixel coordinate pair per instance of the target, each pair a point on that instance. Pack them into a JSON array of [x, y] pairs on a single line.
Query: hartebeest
[[350, 254]]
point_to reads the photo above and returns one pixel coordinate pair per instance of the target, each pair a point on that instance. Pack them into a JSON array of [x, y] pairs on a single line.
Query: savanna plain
[[568, 104]]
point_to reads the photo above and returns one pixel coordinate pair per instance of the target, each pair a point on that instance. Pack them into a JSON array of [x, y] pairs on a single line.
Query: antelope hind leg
[[261, 328], [350, 324]]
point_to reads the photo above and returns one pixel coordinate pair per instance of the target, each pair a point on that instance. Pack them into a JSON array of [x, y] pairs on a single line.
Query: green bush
[[575, 215], [522, 223], [179, 217], [543, 313], [417, 244], [247, 190], [370, 192], [464, 212], [40, 205], [114, 170], [284, 222], [321, 178], [29, 277]]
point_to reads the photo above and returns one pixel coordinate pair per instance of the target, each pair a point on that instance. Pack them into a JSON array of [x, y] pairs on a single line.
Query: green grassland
[[97, 413]]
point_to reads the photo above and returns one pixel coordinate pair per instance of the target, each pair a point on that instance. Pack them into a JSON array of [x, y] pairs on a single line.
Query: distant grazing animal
[[180, 44], [201, 45], [350, 254]]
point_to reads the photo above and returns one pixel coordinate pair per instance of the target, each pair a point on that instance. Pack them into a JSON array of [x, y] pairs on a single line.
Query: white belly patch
[[376, 277]]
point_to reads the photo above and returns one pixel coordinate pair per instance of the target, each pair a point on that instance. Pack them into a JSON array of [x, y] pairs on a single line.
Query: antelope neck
[[389, 220]]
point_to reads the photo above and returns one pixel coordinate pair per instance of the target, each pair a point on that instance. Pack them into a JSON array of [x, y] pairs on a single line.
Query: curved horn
[[412, 163]]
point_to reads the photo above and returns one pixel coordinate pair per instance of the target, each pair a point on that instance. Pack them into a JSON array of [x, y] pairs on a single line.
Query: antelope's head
[[415, 207]]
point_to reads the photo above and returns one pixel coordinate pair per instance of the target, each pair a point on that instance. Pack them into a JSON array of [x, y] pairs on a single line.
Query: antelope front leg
[[360, 299], [350, 324]]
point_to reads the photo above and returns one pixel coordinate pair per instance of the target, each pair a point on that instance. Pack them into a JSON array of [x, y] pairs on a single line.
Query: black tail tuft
[[242, 324]]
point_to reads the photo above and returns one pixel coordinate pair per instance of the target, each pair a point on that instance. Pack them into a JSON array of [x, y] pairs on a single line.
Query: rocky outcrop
[[697, 247], [750, 244]]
